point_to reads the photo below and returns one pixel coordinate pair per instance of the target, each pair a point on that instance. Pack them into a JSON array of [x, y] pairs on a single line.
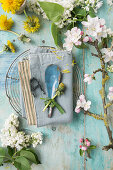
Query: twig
[[108, 104], [99, 70], [96, 116], [94, 55], [106, 148], [95, 44]]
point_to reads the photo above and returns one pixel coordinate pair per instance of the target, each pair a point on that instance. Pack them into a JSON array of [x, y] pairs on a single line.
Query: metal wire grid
[[12, 83]]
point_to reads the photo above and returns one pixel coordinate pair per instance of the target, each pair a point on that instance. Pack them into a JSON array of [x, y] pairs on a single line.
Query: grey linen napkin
[[40, 58]]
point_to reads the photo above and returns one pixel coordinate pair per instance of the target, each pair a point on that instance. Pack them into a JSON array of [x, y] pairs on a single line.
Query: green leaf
[[36, 157], [81, 152], [11, 151], [29, 155], [2, 154], [92, 147], [22, 163], [82, 46], [17, 165], [59, 107], [55, 34], [88, 153], [53, 11], [82, 12], [92, 12], [76, 10]]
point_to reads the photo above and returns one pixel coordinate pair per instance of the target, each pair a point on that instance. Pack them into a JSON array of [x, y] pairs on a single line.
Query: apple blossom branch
[[104, 73]]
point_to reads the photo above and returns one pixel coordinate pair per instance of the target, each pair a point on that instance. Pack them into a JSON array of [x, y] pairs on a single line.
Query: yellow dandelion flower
[[5, 23], [31, 24], [11, 5], [11, 46]]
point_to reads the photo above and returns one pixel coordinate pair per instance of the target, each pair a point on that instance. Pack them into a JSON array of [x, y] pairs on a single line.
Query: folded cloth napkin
[[39, 59]]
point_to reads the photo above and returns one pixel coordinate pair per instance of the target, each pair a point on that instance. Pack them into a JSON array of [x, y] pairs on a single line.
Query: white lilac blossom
[[95, 4], [107, 54], [10, 136], [73, 38], [82, 103], [110, 94], [36, 138], [69, 5], [95, 27], [88, 78], [110, 2]]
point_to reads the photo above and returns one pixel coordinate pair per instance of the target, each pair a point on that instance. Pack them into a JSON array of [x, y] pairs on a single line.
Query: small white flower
[[88, 78], [36, 138], [99, 4], [87, 105], [95, 27], [110, 2], [109, 32], [110, 94], [82, 103], [73, 38], [108, 54]]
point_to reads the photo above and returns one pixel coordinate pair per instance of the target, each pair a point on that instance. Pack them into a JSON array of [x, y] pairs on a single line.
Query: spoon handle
[[50, 112]]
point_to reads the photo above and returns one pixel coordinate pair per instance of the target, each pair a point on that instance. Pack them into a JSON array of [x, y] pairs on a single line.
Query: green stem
[[5, 157], [1, 51], [25, 13], [15, 154], [49, 103], [46, 106]]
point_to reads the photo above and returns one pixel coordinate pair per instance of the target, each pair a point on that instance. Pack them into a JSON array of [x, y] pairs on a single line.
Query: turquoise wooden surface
[[60, 150]]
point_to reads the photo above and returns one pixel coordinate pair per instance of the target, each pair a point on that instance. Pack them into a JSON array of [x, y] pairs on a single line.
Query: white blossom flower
[[87, 105], [88, 78], [110, 94], [95, 27], [109, 32], [86, 39], [10, 136], [108, 54], [82, 103], [73, 38], [36, 138], [110, 2]]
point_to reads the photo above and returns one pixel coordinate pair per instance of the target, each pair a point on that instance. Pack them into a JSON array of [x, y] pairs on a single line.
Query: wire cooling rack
[[12, 82]]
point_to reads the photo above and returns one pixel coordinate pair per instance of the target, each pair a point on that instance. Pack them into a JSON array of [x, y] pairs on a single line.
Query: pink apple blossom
[[90, 39], [88, 143], [82, 33], [88, 78], [77, 110], [86, 140], [84, 148], [86, 39], [111, 89], [80, 146], [82, 103], [81, 140]]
